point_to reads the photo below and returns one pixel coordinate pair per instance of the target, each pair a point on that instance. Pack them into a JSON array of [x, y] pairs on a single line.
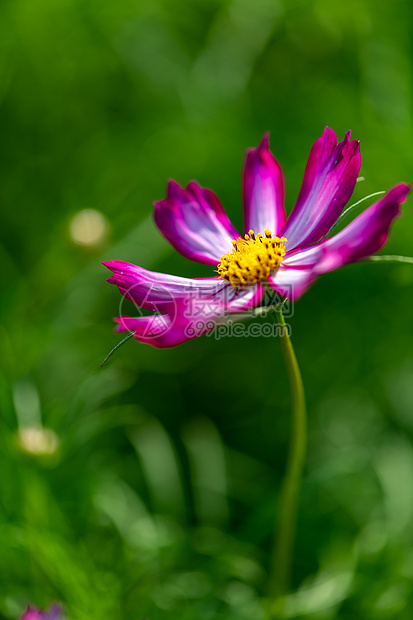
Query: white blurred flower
[[89, 228], [37, 440]]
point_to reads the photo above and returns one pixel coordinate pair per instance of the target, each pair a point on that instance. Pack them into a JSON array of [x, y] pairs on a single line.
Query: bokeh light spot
[[39, 441], [89, 228]]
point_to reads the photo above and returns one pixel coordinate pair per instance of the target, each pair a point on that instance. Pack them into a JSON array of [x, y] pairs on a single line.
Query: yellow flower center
[[252, 259]]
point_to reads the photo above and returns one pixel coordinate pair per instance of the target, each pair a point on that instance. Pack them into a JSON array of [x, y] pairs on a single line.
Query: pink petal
[[329, 180], [263, 186], [290, 282], [364, 236], [155, 330], [54, 612], [156, 291], [192, 316], [195, 223], [32, 613]]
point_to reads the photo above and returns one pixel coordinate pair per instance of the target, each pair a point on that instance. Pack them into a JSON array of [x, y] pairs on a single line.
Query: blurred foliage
[[149, 488]]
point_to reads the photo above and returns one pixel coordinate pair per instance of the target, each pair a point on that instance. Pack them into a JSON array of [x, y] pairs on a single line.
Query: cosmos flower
[[54, 612], [276, 253]]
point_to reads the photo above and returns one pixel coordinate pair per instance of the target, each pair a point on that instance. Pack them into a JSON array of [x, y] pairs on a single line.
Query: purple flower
[[54, 612], [284, 254]]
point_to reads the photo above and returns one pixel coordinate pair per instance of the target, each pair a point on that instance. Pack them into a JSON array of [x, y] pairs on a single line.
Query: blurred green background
[[148, 489]]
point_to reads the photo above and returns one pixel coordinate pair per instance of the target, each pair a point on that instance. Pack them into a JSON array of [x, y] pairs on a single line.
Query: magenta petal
[[290, 282], [303, 258], [366, 234], [362, 237], [263, 187], [329, 180], [54, 612], [32, 613], [156, 291], [195, 223], [192, 316], [156, 330]]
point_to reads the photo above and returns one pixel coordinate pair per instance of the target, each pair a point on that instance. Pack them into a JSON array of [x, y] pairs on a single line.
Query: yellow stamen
[[252, 259]]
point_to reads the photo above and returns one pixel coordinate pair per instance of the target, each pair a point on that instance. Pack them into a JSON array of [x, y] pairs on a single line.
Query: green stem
[[290, 492], [115, 348], [389, 258]]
